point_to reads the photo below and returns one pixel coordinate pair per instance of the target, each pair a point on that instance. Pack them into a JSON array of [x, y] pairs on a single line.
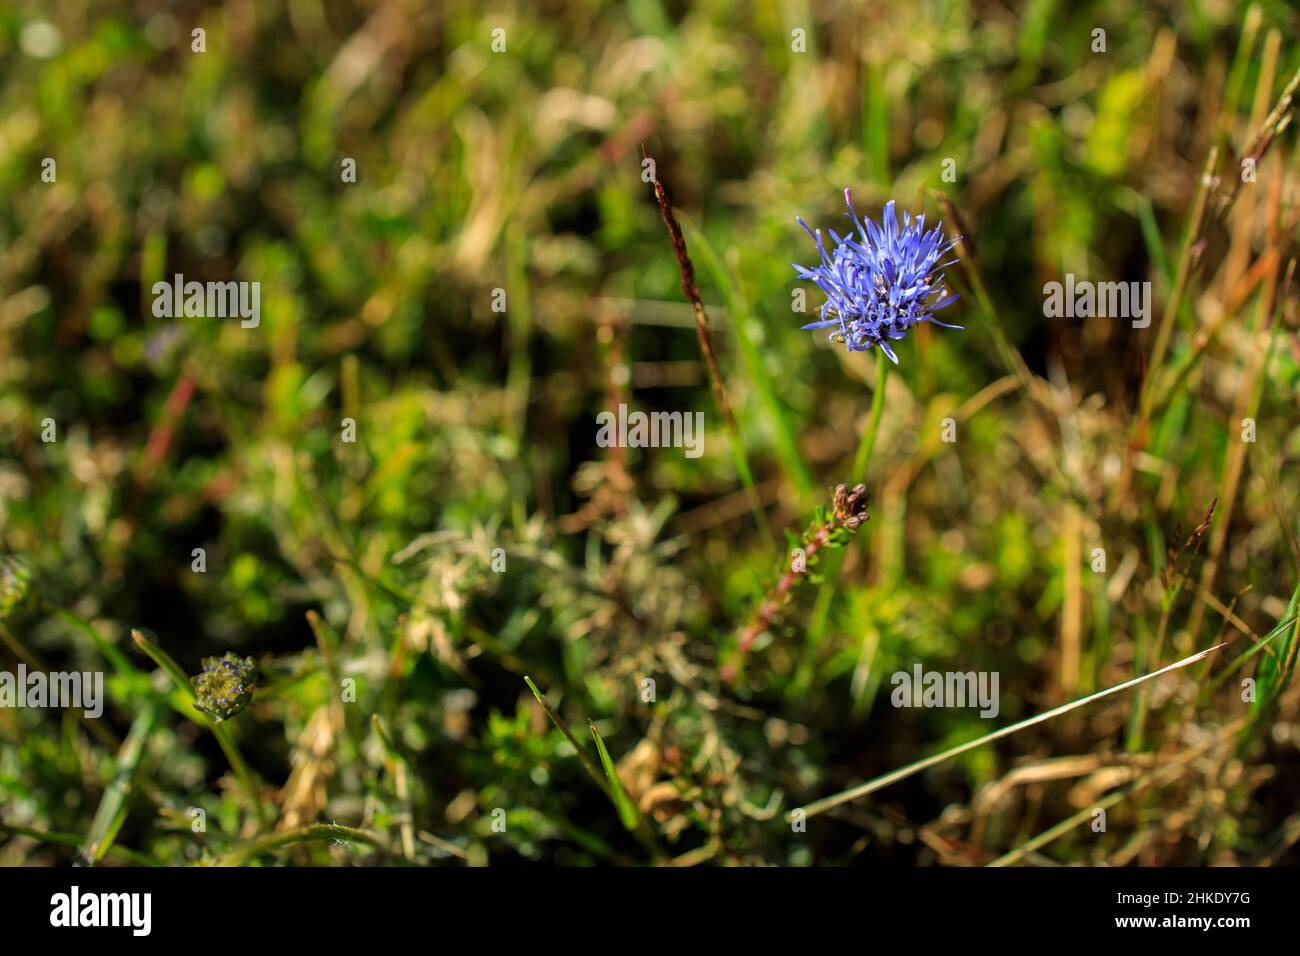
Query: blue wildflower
[[879, 287]]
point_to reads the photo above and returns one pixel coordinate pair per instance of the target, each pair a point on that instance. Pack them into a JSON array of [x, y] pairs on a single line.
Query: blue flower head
[[882, 282]]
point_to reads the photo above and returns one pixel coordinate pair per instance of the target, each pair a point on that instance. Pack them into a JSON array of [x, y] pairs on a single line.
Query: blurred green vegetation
[[399, 717]]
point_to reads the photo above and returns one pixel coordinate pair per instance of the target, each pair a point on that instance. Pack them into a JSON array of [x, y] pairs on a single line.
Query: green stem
[[868, 442], [75, 840], [826, 592], [228, 746], [317, 831]]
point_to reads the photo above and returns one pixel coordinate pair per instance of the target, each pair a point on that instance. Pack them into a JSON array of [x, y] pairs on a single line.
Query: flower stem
[[866, 445], [868, 441], [228, 746]]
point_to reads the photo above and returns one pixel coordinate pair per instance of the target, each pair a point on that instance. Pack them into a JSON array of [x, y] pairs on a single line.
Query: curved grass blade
[[250, 849], [108, 650], [165, 661]]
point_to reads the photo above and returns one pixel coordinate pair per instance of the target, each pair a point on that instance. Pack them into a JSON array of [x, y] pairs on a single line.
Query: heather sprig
[[828, 530], [882, 283]]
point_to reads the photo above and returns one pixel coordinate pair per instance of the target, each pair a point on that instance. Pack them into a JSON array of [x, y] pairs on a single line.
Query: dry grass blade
[[1166, 771], [871, 786], [705, 333]]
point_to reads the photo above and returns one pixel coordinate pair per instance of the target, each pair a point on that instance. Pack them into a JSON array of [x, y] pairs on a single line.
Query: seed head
[[851, 506], [225, 686]]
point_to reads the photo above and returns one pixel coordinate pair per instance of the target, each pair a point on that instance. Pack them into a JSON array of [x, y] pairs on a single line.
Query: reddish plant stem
[[164, 430], [814, 540], [849, 512]]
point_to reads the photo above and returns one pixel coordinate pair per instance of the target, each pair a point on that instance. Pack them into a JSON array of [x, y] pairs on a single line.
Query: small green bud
[[15, 582], [225, 686]]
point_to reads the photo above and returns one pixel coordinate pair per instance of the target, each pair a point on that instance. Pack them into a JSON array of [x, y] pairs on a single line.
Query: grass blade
[[75, 840], [871, 786], [166, 662], [397, 767], [558, 721], [317, 831], [110, 652], [1165, 772], [111, 812], [1275, 673], [627, 812], [784, 440]]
